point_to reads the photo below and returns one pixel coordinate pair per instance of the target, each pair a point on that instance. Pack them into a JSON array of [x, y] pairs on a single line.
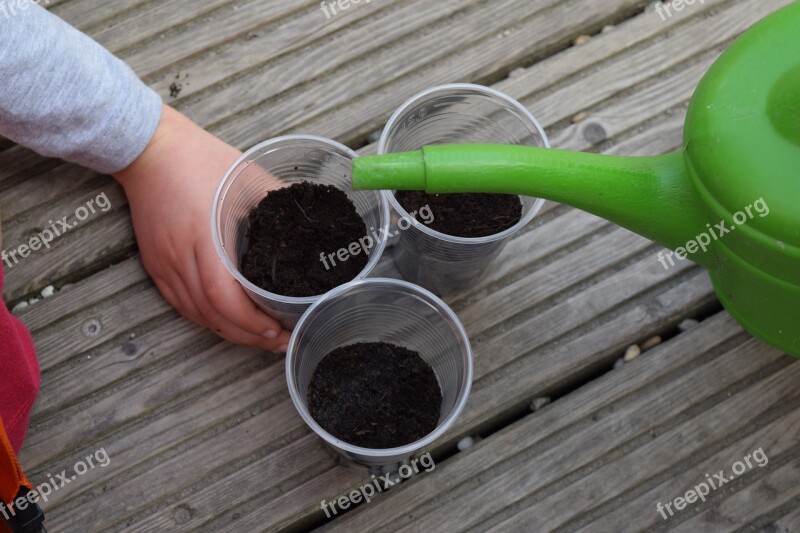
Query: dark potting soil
[[467, 214], [290, 228], [375, 395]]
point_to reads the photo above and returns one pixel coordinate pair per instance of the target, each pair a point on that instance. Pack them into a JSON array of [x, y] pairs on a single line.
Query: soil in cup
[[466, 214], [290, 228], [375, 395]]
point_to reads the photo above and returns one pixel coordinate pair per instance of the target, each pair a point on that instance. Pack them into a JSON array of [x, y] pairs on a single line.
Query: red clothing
[[19, 375]]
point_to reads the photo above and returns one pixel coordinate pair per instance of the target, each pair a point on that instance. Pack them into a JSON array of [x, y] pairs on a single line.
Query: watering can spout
[[734, 186], [651, 196]]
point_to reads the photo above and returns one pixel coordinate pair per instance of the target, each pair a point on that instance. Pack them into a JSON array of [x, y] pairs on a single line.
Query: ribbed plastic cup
[[456, 114], [272, 165], [392, 311]]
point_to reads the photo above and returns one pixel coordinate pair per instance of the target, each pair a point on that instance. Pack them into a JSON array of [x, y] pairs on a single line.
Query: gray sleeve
[[63, 95]]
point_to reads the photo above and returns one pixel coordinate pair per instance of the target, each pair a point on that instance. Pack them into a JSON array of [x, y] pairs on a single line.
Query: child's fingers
[[177, 297], [220, 323], [233, 333], [203, 313], [229, 299]]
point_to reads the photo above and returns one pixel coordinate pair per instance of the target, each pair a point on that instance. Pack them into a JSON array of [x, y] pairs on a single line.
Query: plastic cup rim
[[379, 453], [525, 220], [217, 238]]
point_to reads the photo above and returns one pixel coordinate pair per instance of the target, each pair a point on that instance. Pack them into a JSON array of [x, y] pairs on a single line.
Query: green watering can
[[730, 200]]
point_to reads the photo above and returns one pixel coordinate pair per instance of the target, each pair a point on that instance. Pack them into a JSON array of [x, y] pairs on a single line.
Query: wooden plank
[[29, 286], [592, 259], [304, 455], [421, 63], [643, 64], [168, 405], [84, 294], [745, 411], [745, 506], [150, 350], [254, 35], [588, 302], [776, 438], [37, 190], [136, 402], [100, 324], [550, 445], [86, 14], [303, 502], [70, 433], [337, 75], [16, 160], [84, 250], [248, 21], [148, 20], [254, 438], [787, 523]]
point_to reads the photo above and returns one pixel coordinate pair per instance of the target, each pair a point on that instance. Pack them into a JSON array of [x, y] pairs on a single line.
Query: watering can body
[[729, 200]]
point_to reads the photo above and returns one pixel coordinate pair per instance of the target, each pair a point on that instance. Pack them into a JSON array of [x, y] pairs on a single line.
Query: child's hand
[[170, 188]]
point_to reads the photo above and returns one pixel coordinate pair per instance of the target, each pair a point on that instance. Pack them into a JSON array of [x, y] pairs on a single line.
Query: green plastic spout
[[651, 196]]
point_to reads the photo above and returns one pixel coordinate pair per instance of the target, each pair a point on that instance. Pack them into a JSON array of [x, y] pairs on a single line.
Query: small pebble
[[581, 39], [506, 33], [132, 335], [687, 324], [619, 362], [48, 291], [580, 117], [650, 343], [20, 306], [538, 403], [33, 301], [517, 72], [465, 444], [632, 352], [608, 28], [374, 137]]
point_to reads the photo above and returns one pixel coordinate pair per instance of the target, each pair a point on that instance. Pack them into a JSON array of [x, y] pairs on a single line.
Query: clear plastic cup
[[456, 114], [272, 165], [392, 311]]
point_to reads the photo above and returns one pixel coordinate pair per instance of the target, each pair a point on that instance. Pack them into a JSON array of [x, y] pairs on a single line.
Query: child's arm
[[65, 96]]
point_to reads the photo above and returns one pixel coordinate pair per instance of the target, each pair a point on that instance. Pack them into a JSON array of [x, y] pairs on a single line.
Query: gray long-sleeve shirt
[[63, 95]]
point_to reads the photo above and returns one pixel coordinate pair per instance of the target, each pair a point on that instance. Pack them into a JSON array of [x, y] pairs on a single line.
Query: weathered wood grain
[[426, 62], [594, 424], [776, 489], [776, 438], [788, 523], [203, 436]]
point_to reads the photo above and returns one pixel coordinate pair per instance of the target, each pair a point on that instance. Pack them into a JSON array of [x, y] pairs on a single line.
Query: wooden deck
[[202, 434]]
